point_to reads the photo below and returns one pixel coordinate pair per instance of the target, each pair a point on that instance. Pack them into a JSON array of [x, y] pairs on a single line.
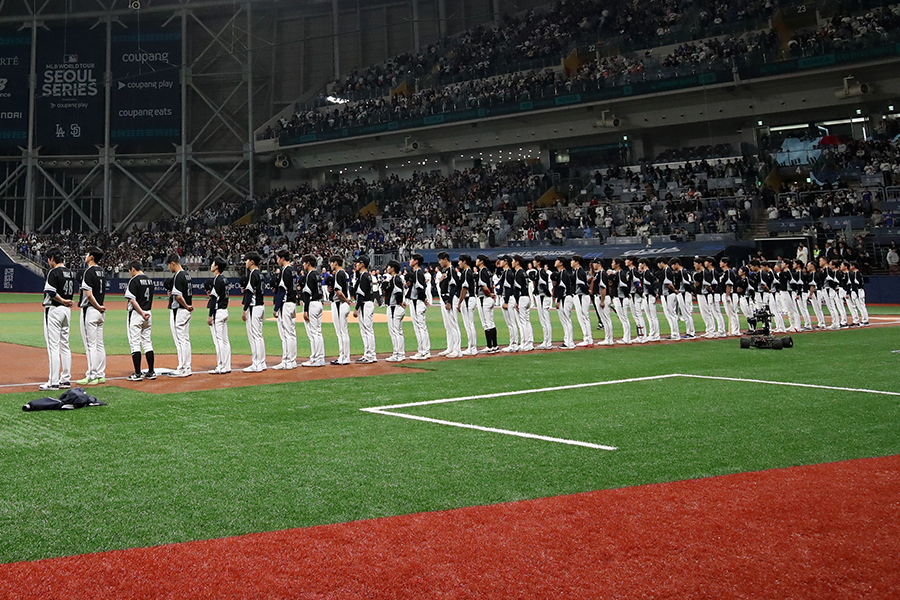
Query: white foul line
[[520, 392], [490, 429], [791, 384], [383, 410]]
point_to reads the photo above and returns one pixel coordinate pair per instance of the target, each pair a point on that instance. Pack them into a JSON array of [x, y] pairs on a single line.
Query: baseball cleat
[[135, 377], [46, 387]]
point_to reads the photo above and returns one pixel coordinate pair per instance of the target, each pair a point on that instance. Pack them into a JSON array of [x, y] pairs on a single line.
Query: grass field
[[25, 329], [154, 469]]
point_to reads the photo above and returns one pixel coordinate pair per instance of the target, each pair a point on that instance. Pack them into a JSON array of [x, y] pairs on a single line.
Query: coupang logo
[[70, 79]]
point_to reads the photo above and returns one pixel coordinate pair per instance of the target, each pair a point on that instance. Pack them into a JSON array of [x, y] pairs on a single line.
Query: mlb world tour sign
[[70, 97]]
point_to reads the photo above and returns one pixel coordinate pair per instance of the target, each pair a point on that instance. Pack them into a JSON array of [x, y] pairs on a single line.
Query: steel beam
[[68, 199]]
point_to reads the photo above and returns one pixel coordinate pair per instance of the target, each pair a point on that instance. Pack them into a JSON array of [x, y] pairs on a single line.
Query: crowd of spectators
[[550, 32], [464, 78], [465, 209]]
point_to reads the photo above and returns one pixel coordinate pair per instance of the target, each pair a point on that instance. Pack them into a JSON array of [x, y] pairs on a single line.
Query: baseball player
[[396, 310], [543, 299], [668, 294], [582, 300], [507, 285], [858, 293], [218, 317], [685, 298], [487, 299], [648, 298], [139, 294], [449, 291], [815, 281], [704, 285], [254, 313], [562, 293], [286, 311], [340, 309], [311, 296], [728, 296], [621, 282], [768, 282], [365, 309], [416, 294], [845, 290], [523, 304], [637, 300], [800, 293], [602, 300], [58, 291], [93, 314], [180, 315], [467, 303]]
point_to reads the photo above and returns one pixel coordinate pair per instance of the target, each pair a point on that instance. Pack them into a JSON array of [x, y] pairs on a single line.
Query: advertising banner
[[71, 63], [15, 67], [146, 87]]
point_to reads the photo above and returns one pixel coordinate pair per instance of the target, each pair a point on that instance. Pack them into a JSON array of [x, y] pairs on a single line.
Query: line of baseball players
[[630, 287]]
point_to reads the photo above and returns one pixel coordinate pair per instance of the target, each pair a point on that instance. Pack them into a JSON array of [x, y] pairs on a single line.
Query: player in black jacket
[[180, 310], [622, 282], [562, 293], [507, 284], [816, 286], [648, 296], [543, 300], [339, 294], [858, 293], [685, 298], [286, 310], [392, 290], [311, 297], [448, 287], [467, 302], [58, 291], [93, 314], [416, 293], [139, 294], [602, 298], [487, 299], [254, 313], [364, 292], [523, 304], [666, 278], [218, 316], [582, 300]]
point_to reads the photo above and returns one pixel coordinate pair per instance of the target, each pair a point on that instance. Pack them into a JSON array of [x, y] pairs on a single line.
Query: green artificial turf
[[153, 469], [26, 329]]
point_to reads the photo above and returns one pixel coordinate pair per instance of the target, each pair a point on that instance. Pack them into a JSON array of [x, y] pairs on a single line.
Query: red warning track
[[823, 531]]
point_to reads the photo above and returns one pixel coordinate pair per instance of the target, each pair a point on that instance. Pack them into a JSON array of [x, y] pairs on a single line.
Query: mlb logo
[[71, 58]]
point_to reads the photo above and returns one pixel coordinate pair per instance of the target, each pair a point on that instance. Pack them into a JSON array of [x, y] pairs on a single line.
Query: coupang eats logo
[[70, 79]]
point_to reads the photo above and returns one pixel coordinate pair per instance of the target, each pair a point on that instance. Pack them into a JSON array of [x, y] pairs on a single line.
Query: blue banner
[[146, 88], [15, 67], [69, 98]]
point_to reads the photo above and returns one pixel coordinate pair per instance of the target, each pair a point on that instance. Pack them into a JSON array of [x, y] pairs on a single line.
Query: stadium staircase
[[20, 260]]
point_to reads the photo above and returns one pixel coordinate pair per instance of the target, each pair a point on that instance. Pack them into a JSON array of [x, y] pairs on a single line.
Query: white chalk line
[[792, 384], [384, 410]]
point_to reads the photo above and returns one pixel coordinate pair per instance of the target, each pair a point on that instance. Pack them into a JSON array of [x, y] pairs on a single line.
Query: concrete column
[[414, 4], [442, 17], [336, 46]]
